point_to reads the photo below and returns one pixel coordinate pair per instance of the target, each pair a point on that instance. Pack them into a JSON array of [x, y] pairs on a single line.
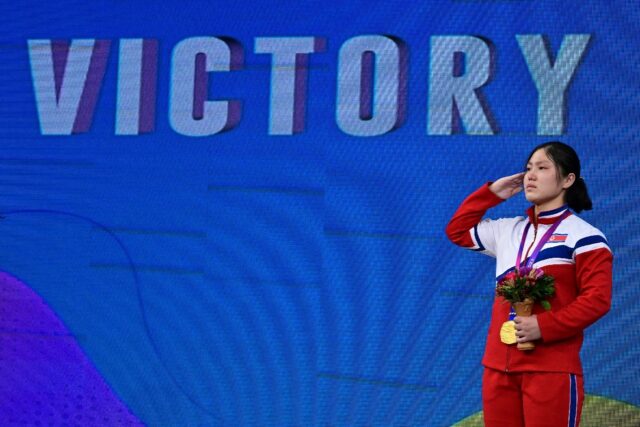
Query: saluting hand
[[507, 186]]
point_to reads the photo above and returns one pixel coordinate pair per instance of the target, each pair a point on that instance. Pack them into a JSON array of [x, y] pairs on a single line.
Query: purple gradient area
[[45, 378]]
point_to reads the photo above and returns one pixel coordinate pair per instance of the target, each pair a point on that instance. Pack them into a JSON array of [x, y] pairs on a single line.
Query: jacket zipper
[[506, 369]]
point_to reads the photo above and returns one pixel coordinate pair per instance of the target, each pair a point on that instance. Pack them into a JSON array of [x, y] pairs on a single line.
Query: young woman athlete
[[544, 386]]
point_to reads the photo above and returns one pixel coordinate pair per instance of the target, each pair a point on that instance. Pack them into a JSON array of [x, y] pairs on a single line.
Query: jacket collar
[[546, 217]]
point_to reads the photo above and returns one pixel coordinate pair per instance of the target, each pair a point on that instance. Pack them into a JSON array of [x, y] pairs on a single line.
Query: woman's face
[[543, 184]]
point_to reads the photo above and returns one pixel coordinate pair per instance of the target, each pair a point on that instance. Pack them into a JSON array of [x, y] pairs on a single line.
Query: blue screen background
[[251, 279]]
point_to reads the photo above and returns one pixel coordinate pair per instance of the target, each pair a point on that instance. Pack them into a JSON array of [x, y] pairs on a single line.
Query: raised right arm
[[466, 228]]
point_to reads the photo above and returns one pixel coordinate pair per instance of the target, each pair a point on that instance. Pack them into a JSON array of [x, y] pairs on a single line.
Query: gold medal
[[508, 332]]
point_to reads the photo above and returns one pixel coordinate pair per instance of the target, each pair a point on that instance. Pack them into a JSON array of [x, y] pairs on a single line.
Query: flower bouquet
[[522, 288]]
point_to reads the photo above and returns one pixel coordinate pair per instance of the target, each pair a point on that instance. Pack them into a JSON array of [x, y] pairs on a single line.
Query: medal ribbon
[[545, 238], [536, 251]]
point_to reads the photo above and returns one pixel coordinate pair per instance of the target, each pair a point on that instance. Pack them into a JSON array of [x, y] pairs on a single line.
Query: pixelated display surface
[[233, 213]]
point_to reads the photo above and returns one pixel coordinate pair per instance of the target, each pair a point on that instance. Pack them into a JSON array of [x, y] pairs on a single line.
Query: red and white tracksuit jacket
[[577, 256]]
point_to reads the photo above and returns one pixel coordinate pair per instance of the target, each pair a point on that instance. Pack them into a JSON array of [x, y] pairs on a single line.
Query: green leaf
[[546, 305]]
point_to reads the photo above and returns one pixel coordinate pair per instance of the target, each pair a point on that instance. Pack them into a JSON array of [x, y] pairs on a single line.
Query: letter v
[[66, 81]]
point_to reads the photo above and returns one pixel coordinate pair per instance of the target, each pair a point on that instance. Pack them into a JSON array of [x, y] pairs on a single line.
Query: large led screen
[[233, 213]]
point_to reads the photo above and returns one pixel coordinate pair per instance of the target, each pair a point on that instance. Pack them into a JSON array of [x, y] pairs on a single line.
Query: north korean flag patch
[[557, 238]]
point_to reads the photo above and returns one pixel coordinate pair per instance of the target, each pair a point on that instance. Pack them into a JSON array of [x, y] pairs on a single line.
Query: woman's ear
[[569, 180]]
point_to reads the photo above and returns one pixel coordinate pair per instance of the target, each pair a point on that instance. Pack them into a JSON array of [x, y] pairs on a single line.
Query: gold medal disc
[[508, 332]]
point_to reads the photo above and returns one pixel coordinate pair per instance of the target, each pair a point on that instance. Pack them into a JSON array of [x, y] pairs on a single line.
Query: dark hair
[[566, 160]]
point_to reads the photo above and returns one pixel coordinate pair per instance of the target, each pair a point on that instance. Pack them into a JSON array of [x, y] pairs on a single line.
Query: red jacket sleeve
[[470, 213], [593, 279]]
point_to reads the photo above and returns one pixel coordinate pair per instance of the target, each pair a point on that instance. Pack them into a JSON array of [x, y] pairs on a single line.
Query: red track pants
[[531, 399]]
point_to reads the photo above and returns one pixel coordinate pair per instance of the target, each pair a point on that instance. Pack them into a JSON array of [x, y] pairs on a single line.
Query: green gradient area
[[597, 412]]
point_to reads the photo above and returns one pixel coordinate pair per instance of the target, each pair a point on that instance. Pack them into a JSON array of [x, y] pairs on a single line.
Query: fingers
[[507, 186], [515, 183], [522, 335], [517, 179], [520, 325], [526, 328]]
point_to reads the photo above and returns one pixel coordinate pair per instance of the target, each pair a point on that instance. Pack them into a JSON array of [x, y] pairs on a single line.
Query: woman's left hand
[[527, 328]]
